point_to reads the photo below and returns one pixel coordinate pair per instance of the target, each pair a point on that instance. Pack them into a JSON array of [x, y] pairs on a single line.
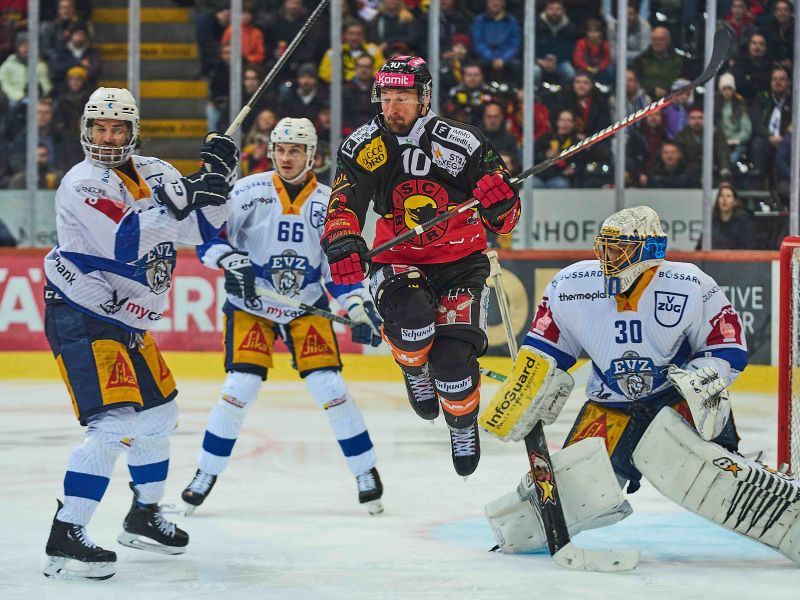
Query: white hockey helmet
[[630, 242], [110, 103], [295, 131]]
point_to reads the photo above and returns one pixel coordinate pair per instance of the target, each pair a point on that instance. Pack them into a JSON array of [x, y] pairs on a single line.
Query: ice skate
[[370, 490], [421, 392], [147, 529], [198, 490], [72, 555], [466, 449]]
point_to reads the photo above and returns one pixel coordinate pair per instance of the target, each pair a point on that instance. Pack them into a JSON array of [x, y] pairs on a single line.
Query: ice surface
[[284, 521]]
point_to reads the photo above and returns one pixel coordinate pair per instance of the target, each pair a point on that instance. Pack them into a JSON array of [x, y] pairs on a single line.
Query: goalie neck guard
[[631, 241]]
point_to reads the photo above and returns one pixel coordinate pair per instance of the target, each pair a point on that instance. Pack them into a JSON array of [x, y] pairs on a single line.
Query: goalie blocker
[[535, 391]]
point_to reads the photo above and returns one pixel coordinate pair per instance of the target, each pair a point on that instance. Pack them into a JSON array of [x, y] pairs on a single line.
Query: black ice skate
[[71, 554], [198, 490], [421, 392], [146, 529], [370, 490], [466, 449]]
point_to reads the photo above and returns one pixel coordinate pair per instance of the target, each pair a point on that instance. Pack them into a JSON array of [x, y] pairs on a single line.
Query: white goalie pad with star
[[726, 488], [589, 492]]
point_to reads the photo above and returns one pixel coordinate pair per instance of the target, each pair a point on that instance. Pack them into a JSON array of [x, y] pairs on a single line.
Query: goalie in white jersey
[[118, 217], [272, 239], [664, 344]]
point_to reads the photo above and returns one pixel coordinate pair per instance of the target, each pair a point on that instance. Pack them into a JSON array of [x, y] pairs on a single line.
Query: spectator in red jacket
[[591, 53], [253, 50]]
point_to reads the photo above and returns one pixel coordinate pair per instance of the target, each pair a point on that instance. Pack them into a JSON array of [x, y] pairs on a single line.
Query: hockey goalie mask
[[294, 131], [631, 241], [116, 104]]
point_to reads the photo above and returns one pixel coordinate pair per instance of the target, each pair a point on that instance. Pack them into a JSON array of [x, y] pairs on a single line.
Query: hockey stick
[[280, 299], [723, 39], [237, 122], [548, 505]]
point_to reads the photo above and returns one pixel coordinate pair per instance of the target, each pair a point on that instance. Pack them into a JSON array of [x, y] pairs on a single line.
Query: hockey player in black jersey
[[431, 291]]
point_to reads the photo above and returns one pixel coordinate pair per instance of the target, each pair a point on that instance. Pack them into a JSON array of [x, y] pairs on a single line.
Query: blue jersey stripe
[[736, 357], [563, 360]]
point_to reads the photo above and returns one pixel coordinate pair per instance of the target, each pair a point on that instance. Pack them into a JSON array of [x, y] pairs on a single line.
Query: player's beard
[[399, 126]]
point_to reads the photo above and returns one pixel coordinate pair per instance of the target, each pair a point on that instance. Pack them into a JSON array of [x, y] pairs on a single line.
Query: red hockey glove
[[343, 245], [492, 189]]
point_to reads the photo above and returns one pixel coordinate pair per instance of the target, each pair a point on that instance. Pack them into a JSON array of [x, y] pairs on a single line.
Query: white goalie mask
[[631, 241], [295, 131], [110, 103]]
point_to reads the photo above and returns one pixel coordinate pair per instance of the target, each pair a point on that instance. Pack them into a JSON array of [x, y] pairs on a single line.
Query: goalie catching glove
[[186, 194], [535, 391], [705, 393]]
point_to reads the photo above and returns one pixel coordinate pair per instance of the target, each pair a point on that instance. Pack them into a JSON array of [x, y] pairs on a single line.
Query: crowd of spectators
[[67, 72], [480, 82]]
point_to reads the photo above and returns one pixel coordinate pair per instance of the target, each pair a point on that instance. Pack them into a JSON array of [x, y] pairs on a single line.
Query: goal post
[[789, 356]]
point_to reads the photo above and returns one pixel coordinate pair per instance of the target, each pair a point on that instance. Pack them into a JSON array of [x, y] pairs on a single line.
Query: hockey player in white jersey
[[118, 217], [664, 344], [272, 239]]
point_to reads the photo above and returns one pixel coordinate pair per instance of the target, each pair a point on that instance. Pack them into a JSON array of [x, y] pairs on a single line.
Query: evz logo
[[288, 272], [669, 308], [318, 211], [157, 266], [633, 373]]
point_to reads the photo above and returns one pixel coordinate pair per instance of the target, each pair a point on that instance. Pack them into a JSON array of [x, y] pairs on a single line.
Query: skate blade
[[133, 540], [59, 567], [374, 507], [189, 509]]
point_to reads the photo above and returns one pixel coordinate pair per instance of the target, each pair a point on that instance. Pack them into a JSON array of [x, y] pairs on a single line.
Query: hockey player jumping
[[430, 291]]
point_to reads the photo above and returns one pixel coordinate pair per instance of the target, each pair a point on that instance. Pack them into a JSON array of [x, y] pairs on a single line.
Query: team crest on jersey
[[288, 272], [633, 373], [318, 210], [669, 308], [157, 266], [416, 201], [725, 327]]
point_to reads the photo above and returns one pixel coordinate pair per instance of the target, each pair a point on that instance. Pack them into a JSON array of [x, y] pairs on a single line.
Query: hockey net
[[789, 356]]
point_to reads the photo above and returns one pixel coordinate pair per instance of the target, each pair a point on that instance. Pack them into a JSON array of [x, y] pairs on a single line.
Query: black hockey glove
[[186, 194], [347, 259], [240, 279], [368, 328], [220, 155]]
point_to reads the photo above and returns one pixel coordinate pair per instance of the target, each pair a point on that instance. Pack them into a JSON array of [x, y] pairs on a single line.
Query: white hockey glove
[[199, 190], [368, 328], [240, 279], [220, 155], [705, 393]]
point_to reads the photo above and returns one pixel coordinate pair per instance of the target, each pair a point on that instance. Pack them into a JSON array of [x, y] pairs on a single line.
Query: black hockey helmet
[[404, 72]]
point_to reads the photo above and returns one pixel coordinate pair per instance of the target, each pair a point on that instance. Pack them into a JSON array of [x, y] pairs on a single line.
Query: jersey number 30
[[628, 332], [287, 230]]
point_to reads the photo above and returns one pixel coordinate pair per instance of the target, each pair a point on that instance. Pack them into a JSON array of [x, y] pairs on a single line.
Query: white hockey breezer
[[726, 488], [591, 498]]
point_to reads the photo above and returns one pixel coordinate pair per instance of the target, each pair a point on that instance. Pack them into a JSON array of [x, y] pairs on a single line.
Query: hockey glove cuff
[[368, 328], [220, 155], [186, 194], [240, 279]]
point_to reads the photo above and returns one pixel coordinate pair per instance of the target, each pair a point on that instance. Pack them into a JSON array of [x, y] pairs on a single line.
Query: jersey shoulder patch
[[456, 133], [356, 141]]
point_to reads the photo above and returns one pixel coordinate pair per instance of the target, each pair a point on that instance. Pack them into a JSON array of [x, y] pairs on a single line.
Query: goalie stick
[[548, 499], [723, 40]]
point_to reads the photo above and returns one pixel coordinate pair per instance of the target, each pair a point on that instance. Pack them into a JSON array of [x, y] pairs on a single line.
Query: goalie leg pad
[[536, 390], [726, 488], [587, 486]]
